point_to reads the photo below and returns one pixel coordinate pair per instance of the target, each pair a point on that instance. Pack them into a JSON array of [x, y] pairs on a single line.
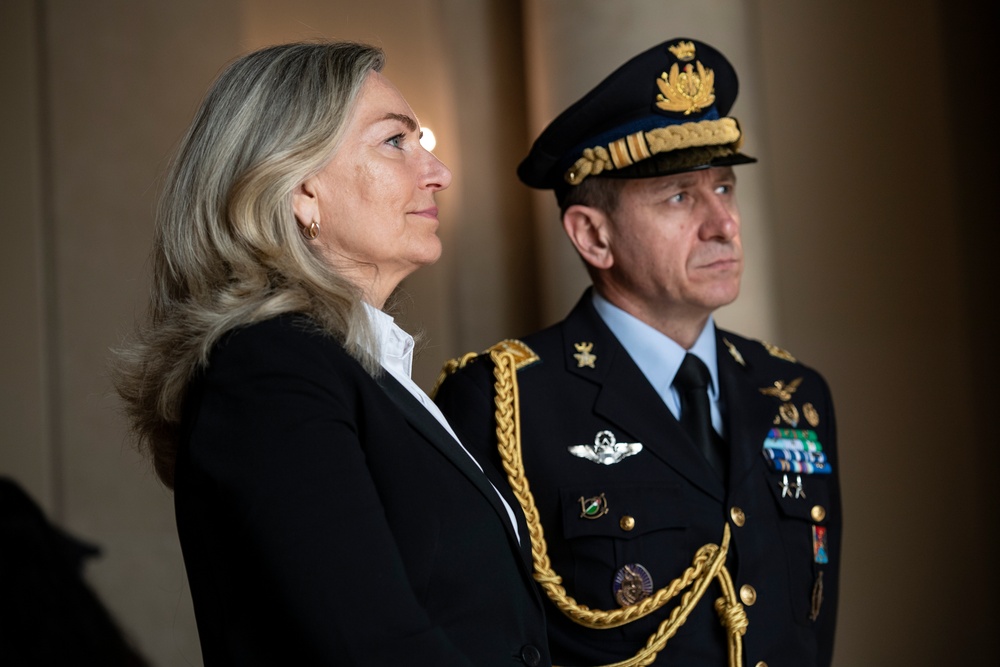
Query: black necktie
[[692, 382]]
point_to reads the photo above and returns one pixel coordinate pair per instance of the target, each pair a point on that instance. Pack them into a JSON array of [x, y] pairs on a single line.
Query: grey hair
[[227, 248]]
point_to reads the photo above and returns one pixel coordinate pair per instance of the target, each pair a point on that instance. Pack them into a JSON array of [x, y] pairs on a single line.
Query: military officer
[[680, 481]]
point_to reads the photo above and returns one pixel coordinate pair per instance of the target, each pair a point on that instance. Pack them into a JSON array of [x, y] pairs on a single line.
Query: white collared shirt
[[659, 357], [395, 354]]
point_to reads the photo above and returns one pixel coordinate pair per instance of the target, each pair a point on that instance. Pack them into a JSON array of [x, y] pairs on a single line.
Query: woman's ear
[[305, 203], [589, 231]]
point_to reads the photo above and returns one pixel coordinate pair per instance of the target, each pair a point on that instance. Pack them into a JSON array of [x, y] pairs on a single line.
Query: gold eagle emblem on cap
[[686, 90]]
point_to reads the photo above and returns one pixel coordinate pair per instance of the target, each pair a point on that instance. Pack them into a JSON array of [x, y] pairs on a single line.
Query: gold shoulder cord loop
[[708, 563]]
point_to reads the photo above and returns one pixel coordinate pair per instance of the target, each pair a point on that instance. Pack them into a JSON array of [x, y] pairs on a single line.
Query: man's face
[[675, 244]]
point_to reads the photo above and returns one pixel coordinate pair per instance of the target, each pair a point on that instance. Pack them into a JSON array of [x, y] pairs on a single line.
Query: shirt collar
[[395, 346], [658, 356]]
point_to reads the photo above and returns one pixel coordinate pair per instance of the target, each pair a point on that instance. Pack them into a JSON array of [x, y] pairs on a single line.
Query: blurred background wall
[[871, 246]]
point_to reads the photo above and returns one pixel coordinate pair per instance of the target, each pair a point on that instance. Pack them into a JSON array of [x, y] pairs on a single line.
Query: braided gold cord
[[708, 563], [688, 135], [718, 132], [591, 163]]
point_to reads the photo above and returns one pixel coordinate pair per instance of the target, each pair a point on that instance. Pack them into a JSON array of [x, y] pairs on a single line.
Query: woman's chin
[[430, 254]]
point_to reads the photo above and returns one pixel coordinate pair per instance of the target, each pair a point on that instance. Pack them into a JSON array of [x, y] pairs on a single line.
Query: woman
[[325, 514]]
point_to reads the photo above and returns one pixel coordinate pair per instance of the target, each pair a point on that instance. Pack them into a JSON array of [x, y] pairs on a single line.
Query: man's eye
[[396, 141]]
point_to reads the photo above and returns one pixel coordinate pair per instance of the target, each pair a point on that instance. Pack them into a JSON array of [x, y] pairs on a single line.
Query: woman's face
[[374, 200]]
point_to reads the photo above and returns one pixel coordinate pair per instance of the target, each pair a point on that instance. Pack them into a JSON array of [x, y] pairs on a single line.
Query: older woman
[[327, 513]]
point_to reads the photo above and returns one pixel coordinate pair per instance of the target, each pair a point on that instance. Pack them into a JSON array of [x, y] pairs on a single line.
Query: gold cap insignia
[[682, 50], [686, 91]]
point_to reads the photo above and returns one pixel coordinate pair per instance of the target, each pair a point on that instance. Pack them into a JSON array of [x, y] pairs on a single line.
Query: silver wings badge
[[606, 449]]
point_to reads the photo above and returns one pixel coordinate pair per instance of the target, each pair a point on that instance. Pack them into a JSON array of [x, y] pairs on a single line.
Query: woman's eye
[[396, 141]]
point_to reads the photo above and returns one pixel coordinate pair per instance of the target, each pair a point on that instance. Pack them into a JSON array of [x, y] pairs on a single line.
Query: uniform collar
[[658, 356]]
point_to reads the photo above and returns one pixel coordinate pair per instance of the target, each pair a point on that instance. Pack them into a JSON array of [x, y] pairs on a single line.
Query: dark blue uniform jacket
[[670, 497]]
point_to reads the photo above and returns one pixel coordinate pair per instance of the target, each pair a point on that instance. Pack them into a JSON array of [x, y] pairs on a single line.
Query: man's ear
[[588, 230], [305, 203]]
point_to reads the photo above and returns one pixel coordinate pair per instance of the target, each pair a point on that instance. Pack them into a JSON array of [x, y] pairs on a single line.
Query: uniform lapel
[[748, 411], [627, 400]]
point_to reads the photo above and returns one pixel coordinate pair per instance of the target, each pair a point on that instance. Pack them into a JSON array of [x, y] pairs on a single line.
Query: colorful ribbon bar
[[800, 467], [792, 434], [797, 444], [794, 455]]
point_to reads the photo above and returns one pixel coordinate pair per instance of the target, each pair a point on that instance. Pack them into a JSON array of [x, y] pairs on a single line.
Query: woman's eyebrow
[[408, 121]]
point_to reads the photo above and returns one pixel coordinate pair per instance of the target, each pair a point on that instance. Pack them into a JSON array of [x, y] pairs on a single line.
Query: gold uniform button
[[738, 517], [761, 664], [627, 523], [818, 513], [748, 594]]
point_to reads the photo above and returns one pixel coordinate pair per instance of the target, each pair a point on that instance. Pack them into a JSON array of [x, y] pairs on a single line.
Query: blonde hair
[[227, 248]]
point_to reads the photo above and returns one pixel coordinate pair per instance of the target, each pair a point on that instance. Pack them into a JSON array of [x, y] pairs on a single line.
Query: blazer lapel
[[429, 427], [502, 486]]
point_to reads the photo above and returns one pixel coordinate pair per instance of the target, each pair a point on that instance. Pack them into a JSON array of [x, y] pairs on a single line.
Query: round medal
[[632, 583]]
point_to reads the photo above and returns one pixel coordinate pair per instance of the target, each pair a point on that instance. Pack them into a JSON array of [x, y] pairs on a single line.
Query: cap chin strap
[[708, 563]]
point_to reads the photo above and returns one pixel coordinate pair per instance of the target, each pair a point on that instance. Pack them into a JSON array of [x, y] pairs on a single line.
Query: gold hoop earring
[[312, 231]]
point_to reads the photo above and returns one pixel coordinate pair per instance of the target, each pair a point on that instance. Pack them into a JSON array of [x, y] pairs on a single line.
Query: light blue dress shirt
[[659, 357]]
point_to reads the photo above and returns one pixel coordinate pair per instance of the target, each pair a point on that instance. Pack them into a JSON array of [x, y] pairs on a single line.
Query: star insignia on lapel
[[583, 356]]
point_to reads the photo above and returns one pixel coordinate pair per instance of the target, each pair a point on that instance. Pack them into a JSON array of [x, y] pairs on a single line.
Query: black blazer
[[676, 501], [328, 520]]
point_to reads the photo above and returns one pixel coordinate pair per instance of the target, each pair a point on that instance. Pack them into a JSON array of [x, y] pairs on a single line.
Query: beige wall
[[25, 433], [874, 284], [866, 224]]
